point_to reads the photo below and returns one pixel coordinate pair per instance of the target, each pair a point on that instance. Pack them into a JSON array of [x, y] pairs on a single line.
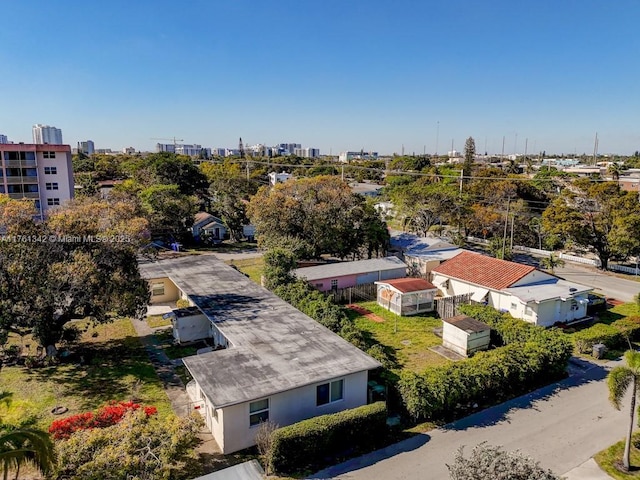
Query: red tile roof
[[406, 285], [482, 270]]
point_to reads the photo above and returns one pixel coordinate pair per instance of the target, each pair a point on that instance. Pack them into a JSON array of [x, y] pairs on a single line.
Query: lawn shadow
[[499, 413], [96, 373], [414, 442]]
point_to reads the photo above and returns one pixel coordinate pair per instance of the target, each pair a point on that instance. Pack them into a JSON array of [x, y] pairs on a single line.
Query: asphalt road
[[561, 425], [605, 283]]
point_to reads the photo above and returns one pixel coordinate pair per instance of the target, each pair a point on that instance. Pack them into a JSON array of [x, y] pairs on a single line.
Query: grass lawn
[[608, 457], [619, 311], [155, 321], [412, 340], [251, 266], [114, 361]]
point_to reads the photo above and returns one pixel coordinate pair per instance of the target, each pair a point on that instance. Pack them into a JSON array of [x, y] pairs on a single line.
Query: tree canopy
[[321, 212], [80, 262]]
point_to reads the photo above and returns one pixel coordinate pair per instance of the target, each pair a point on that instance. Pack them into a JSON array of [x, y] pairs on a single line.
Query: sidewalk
[[589, 470]]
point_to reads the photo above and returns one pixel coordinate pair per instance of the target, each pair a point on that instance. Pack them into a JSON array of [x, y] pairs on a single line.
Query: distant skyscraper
[[88, 148], [3, 139], [46, 134]]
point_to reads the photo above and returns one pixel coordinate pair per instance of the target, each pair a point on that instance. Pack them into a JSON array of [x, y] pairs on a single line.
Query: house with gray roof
[[271, 362], [332, 276], [422, 254]]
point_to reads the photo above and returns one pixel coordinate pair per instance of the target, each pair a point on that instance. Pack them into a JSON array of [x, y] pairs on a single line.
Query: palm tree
[[551, 262], [619, 380], [614, 170], [27, 446]]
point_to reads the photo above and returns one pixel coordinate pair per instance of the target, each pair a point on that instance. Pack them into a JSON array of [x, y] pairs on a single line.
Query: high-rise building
[[42, 173], [3, 139], [46, 134], [88, 148]]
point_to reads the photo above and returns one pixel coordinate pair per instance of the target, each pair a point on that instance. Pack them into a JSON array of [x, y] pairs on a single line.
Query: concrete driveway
[[561, 425]]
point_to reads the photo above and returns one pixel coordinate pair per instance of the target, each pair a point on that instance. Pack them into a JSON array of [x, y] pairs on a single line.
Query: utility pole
[[595, 150], [513, 220], [461, 180], [343, 173], [506, 223], [502, 154]]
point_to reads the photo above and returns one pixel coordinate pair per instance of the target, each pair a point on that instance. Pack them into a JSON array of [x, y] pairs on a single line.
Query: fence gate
[[447, 307]]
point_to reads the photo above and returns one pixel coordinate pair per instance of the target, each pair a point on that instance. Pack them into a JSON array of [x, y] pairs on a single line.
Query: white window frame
[[331, 385], [258, 413], [156, 287]]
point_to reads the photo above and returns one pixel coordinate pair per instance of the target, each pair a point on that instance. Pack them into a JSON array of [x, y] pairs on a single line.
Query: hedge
[[487, 378], [531, 356], [613, 336], [320, 441]]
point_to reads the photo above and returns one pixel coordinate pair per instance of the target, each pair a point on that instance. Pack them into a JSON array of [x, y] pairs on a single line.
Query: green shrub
[[598, 333], [486, 378], [320, 441], [182, 303]]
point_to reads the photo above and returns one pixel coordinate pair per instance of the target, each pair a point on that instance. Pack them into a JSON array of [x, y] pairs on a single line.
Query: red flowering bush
[[106, 416]]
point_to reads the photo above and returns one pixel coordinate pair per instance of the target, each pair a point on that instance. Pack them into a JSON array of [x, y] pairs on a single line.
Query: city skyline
[[334, 75]]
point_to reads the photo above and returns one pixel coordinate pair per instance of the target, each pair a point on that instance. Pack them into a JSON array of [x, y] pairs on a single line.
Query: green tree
[[322, 212], [620, 380], [25, 447], [551, 262], [169, 211], [139, 447], [278, 264], [492, 463], [469, 157], [597, 215], [423, 204], [81, 263], [614, 169]]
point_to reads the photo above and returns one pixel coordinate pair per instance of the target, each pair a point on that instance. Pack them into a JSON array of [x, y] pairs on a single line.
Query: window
[[157, 289], [49, 154], [50, 170], [528, 310], [334, 284], [329, 392], [53, 201], [514, 306], [52, 186], [258, 412], [574, 305]]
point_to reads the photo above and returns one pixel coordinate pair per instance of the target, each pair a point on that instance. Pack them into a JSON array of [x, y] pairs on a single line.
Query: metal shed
[[465, 335]]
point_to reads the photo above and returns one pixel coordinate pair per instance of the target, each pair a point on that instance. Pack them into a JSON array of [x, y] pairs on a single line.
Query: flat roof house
[[522, 290], [423, 254], [279, 364], [332, 276]]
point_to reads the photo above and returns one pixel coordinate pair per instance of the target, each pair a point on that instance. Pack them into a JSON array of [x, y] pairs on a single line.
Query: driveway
[[561, 425]]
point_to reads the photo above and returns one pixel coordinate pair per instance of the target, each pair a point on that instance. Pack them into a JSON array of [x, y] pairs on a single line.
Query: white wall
[[191, 328], [232, 430], [533, 277]]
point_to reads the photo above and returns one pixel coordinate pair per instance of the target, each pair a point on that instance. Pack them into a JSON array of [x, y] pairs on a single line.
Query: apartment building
[[3, 138], [42, 173], [46, 134]]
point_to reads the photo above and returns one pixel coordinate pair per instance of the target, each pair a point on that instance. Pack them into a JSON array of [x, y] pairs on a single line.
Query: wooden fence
[[359, 293], [447, 307]]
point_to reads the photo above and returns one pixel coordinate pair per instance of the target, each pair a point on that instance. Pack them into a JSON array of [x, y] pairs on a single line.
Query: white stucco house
[[272, 362], [522, 290]]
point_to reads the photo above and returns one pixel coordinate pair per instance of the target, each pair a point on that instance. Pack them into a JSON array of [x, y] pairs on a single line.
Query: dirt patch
[[366, 313]]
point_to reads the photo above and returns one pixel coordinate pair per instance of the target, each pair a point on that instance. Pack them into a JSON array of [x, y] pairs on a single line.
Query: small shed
[[406, 296], [465, 335], [189, 324]]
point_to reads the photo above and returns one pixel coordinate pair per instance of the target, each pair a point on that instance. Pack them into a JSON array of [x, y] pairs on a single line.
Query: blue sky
[[332, 74]]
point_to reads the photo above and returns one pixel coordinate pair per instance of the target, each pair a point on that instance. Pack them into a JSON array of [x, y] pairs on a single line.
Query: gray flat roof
[[340, 269], [468, 324], [274, 347], [250, 470], [540, 292]]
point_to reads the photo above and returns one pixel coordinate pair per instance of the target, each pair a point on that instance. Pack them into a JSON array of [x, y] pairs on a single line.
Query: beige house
[[272, 362]]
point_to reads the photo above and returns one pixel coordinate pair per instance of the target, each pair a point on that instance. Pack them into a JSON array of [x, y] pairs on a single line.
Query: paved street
[[562, 426], [607, 284]]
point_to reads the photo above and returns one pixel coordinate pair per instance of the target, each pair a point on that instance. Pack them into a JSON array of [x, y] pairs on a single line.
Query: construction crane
[[173, 139]]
